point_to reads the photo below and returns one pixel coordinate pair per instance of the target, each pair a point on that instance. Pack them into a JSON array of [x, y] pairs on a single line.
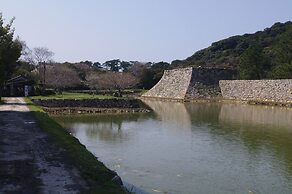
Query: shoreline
[[100, 178], [91, 111], [92, 106], [221, 99]]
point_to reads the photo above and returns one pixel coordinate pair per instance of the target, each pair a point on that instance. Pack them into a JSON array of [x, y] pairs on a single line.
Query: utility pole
[[44, 77], [44, 63]]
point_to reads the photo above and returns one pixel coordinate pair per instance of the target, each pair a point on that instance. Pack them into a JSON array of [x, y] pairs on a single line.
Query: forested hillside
[[264, 54]]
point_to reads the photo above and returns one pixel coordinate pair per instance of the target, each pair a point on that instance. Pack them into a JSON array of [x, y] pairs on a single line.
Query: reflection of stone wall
[[171, 112], [202, 113], [268, 116], [263, 90], [189, 83]]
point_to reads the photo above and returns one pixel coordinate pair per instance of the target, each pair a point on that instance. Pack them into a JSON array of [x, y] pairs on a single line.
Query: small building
[[18, 86]]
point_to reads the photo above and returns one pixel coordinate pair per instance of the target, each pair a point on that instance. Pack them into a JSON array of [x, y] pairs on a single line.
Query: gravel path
[[29, 161]]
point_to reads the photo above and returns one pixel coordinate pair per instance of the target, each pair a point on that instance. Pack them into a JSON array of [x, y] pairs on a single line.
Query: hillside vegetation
[[264, 54]]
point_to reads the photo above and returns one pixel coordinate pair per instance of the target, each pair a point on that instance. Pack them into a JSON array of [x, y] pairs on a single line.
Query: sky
[[138, 30]]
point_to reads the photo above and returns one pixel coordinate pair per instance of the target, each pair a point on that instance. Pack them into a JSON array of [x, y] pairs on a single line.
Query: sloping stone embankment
[[173, 84]]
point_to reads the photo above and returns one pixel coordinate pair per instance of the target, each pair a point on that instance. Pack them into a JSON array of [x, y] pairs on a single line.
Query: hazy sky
[[143, 30]]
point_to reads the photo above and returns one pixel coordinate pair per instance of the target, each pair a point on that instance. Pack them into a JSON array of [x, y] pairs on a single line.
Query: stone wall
[[173, 84], [91, 103], [258, 90], [205, 82], [189, 83], [92, 106]]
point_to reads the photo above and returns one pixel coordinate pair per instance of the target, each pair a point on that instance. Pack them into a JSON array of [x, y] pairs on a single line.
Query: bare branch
[[42, 54]]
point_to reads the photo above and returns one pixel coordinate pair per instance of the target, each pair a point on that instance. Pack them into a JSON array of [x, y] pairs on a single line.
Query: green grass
[[2, 100], [71, 95], [90, 168]]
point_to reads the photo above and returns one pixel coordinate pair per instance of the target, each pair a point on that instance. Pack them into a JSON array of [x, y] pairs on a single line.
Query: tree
[[253, 64], [82, 69], [112, 65], [10, 50], [125, 65], [136, 69], [97, 65], [42, 55], [92, 80], [283, 71], [116, 81], [26, 69], [60, 77], [26, 54], [282, 58], [147, 80], [158, 70], [89, 63], [149, 73]]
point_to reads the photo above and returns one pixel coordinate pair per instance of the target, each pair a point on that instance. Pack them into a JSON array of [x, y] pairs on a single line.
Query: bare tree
[[26, 54], [93, 79], [116, 81], [138, 67], [36, 56], [42, 55], [60, 77]]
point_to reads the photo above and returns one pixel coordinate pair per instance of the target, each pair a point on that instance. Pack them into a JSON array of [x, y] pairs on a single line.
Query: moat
[[194, 147]]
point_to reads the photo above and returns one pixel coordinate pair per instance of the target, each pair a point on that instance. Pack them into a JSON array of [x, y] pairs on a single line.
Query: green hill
[[268, 51]]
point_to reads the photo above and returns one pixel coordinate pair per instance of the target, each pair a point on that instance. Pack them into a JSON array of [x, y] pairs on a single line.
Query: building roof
[[21, 79]]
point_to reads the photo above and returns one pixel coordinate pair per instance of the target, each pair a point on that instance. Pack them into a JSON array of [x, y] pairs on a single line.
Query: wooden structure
[[18, 86]]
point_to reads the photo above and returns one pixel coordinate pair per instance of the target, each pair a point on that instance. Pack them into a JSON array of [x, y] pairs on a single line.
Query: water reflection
[[261, 127], [186, 147], [103, 127], [203, 113], [174, 113], [265, 116], [255, 126]]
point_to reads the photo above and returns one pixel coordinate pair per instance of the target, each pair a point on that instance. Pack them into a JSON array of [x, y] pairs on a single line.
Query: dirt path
[[29, 162], [14, 104]]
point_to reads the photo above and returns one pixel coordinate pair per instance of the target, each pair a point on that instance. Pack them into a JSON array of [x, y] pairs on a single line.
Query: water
[[194, 147]]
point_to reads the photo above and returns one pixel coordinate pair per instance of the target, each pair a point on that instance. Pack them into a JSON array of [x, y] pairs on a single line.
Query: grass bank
[[96, 173]]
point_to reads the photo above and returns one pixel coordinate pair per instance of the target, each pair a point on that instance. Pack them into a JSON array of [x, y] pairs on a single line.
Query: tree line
[[84, 75], [264, 55]]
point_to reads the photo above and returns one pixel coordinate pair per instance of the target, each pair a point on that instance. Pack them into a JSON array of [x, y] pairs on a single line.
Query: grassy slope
[[89, 166]]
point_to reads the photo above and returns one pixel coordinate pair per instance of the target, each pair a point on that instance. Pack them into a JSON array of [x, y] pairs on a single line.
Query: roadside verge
[[98, 176]]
